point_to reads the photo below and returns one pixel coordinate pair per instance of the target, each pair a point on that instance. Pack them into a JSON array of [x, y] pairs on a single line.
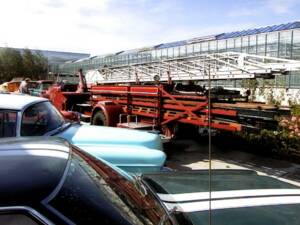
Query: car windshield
[[94, 192], [45, 86], [67, 78], [40, 118], [8, 121], [237, 195]]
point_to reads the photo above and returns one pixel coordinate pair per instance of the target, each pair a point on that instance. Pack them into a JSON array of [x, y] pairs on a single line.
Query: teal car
[[40, 88], [133, 151]]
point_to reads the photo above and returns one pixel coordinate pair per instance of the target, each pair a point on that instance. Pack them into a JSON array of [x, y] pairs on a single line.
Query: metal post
[[209, 143]]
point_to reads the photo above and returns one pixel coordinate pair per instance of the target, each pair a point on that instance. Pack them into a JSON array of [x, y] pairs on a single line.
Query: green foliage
[[267, 141], [13, 63], [295, 109]]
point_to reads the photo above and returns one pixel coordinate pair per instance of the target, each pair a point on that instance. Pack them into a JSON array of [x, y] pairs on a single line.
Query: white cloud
[[95, 26], [263, 7], [281, 6], [105, 26]]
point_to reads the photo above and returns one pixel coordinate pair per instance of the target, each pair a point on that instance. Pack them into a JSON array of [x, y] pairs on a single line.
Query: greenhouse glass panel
[[182, 50], [204, 47], [176, 52], [170, 52], [153, 54], [212, 46], [252, 44], [272, 44], [238, 44], [230, 45], [296, 44], [222, 45], [197, 48], [158, 54], [295, 80], [190, 49], [164, 53], [245, 44], [261, 44]]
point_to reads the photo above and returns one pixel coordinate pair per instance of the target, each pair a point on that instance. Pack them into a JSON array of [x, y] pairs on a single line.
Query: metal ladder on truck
[[227, 65], [158, 105]]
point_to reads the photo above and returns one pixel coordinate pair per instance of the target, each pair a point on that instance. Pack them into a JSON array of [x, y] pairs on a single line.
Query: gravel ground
[[191, 155]]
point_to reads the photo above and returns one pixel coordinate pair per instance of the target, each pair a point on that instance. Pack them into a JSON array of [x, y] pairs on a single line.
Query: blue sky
[[104, 26]]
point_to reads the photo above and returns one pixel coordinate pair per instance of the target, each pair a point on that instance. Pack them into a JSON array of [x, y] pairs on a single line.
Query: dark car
[[48, 181], [237, 197], [45, 181]]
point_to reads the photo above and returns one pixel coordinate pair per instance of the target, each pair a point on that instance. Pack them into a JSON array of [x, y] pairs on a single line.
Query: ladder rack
[[227, 65]]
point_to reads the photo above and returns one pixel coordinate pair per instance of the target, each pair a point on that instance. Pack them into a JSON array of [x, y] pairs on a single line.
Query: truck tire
[[99, 119]]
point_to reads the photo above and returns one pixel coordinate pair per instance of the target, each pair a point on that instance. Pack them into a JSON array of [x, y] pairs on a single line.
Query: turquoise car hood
[[79, 134], [132, 151]]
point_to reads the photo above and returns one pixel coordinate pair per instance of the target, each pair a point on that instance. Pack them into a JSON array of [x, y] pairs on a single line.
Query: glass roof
[[286, 26], [234, 34]]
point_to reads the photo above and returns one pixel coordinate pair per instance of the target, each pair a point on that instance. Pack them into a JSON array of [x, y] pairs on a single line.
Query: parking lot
[[187, 154]]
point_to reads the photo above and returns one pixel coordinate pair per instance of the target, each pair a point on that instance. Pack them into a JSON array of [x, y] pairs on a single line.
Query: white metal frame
[[227, 65]]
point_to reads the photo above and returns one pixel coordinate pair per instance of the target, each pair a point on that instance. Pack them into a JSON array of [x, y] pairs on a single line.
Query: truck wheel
[[99, 119]]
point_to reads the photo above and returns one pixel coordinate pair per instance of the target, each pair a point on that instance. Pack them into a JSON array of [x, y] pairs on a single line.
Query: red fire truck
[[162, 95]]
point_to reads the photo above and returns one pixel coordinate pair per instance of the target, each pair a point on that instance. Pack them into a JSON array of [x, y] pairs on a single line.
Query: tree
[[35, 64], [40, 64], [28, 63], [13, 63]]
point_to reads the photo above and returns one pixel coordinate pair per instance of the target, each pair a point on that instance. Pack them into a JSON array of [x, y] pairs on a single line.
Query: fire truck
[[161, 95]]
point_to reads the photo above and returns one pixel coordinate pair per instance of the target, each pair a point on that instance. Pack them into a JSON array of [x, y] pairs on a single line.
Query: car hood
[[132, 151], [237, 197], [89, 135]]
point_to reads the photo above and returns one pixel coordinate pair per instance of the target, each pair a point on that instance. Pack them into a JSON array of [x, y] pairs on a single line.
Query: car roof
[[34, 143], [31, 168], [18, 101]]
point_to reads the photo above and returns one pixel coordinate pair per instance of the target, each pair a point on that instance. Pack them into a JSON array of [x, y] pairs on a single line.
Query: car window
[[16, 219], [87, 197], [8, 121], [39, 119], [45, 86], [86, 200], [12, 216]]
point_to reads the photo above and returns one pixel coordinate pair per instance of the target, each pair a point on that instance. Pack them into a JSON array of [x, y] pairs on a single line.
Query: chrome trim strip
[[233, 203], [49, 153], [226, 194]]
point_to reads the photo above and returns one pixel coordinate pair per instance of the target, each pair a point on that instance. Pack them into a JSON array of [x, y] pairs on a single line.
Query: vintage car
[[136, 151], [237, 197], [46, 180], [40, 88]]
